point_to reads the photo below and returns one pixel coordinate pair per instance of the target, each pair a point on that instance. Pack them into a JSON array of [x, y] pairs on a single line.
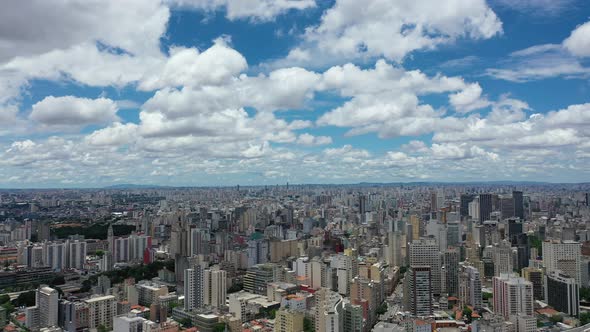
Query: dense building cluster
[[349, 258]]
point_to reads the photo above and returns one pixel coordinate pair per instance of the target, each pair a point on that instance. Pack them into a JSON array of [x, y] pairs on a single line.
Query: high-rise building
[[563, 256], [536, 277], [464, 208], [101, 311], [257, 250], [562, 293], [353, 317], [425, 252], [418, 290], [394, 245], [129, 323], [507, 207], [56, 256], [470, 287], [328, 311], [416, 228], [287, 320], [77, 250], [485, 207], [193, 288], [215, 289], [503, 258], [512, 296], [47, 302], [258, 277], [451, 261], [518, 204]]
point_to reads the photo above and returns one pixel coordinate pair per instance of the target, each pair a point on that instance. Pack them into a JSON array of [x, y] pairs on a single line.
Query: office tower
[[562, 293], [288, 320], [470, 287], [258, 277], [518, 204], [473, 208], [394, 245], [416, 228], [111, 239], [563, 256], [433, 201], [507, 207], [101, 311], [137, 246], [485, 207], [502, 258], [32, 319], [536, 277], [47, 302], [451, 261], [418, 290], [363, 208], [512, 296], [193, 288], [328, 311], [454, 234], [464, 208], [77, 258], [214, 287], [425, 252]]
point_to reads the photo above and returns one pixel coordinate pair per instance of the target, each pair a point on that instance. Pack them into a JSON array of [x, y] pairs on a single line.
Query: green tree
[[585, 293], [381, 309], [25, 299], [556, 319], [219, 327], [4, 298], [99, 253], [584, 318], [487, 296], [186, 322], [102, 328], [467, 313], [235, 288]]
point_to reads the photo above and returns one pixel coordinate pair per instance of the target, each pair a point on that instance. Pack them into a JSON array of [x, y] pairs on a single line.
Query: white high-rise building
[[425, 252], [77, 253], [470, 287], [215, 287], [502, 258], [56, 256], [563, 256], [47, 302], [512, 296], [193, 288]]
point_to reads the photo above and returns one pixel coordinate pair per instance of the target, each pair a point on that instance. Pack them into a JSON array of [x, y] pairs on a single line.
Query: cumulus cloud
[[578, 43], [70, 111], [357, 30]]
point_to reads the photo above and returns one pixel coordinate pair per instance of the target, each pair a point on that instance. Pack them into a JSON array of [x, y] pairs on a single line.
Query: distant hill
[[134, 186]]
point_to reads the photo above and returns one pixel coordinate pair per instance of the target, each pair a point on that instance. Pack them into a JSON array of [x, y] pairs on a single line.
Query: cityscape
[[294, 165]]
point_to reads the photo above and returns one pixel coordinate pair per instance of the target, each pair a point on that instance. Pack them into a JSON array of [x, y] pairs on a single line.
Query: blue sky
[[225, 92]]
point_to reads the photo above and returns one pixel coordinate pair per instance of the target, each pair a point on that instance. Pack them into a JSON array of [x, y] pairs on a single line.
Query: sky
[[225, 92]]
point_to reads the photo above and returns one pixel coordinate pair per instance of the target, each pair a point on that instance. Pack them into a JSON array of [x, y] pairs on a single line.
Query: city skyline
[[220, 93]]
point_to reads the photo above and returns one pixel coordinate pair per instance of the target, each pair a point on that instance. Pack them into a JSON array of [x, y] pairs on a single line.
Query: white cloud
[[578, 43], [36, 27], [263, 10], [310, 140], [116, 135], [358, 30], [538, 7], [469, 99], [70, 111]]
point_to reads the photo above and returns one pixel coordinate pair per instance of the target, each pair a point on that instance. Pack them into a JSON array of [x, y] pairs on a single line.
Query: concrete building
[[418, 291], [287, 320], [214, 287], [193, 288], [328, 311], [563, 256], [562, 293], [425, 252], [512, 296], [101, 311]]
